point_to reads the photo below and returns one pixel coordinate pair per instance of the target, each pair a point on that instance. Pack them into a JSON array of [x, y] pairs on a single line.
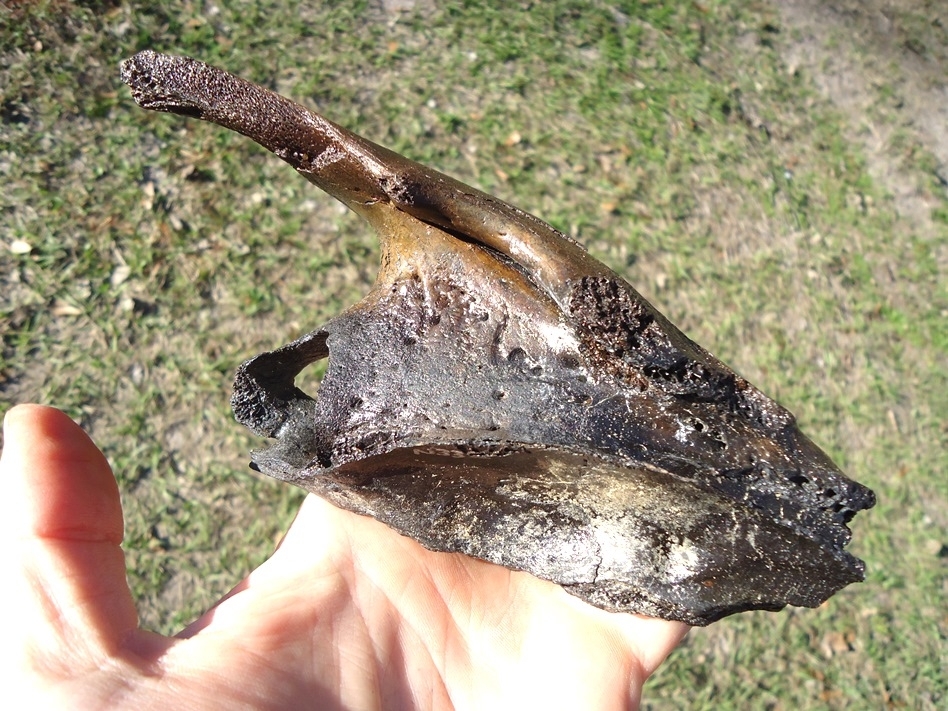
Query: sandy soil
[[864, 57]]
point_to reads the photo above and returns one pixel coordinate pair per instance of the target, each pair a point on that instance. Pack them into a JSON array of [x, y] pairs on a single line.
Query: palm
[[345, 614]]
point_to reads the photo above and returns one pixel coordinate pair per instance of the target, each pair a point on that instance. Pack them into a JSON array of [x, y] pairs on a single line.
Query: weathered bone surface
[[502, 394]]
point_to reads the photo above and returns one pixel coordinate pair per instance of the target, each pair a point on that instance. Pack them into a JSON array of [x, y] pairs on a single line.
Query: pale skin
[[346, 614]]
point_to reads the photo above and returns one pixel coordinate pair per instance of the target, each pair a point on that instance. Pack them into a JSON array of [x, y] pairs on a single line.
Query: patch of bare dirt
[[884, 65]]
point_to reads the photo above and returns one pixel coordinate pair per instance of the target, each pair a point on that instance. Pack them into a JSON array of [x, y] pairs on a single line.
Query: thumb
[[61, 534]]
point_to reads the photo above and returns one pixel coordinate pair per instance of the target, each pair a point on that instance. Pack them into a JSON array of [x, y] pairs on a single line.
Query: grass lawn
[[692, 147]]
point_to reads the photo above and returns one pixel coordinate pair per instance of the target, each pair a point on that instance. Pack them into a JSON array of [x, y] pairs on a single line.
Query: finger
[[655, 639], [650, 641], [63, 484], [63, 526]]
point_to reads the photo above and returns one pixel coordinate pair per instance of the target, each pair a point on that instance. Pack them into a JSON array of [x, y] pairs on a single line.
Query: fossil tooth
[[502, 394]]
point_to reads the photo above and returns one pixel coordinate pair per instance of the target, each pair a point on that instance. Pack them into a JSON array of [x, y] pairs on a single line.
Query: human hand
[[345, 614]]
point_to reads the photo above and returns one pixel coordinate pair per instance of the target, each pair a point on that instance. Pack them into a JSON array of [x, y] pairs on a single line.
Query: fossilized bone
[[502, 394]]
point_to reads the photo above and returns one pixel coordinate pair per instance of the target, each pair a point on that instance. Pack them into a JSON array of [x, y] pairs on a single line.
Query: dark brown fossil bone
[[502, 394]]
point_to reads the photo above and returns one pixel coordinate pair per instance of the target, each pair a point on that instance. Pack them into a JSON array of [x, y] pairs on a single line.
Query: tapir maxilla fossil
[[502, 394]]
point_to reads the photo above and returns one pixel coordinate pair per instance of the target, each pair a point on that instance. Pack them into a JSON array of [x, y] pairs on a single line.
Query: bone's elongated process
[[502, 394]]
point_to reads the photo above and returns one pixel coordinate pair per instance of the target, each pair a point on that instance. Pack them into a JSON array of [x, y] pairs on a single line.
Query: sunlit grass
[[668, 137]]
